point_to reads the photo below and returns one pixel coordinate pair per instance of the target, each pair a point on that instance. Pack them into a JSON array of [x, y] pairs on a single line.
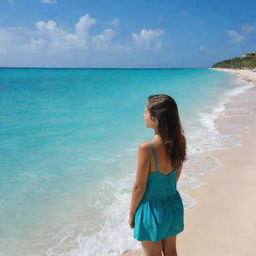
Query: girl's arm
[[140, 184]]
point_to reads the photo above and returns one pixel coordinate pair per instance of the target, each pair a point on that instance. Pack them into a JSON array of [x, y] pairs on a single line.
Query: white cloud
[[103, 41], [11, 38], [235, 36], [240, 36], [57, 38], [247, 28], [48, 35], [49, 44], [50, 38], [81, 38], [84, 24], [49, 1], [203, 48], [148, 39], [114, 22]]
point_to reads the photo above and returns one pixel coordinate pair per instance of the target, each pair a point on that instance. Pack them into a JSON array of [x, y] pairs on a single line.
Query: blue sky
[[125, 33]]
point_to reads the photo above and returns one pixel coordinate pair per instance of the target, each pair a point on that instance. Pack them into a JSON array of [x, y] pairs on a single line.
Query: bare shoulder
[[144, 148], [144, 144]]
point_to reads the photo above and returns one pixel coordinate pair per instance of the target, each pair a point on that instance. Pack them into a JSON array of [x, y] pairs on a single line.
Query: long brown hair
[[163, 109]]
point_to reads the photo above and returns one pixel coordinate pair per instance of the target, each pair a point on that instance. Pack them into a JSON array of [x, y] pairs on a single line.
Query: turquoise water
[[68, 150]]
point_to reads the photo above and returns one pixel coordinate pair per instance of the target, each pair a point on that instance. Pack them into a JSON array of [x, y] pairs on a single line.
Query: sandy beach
[[223, 221], [246, 74]]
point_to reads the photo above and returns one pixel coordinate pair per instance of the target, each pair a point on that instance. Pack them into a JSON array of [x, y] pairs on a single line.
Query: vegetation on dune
[[247, 61]]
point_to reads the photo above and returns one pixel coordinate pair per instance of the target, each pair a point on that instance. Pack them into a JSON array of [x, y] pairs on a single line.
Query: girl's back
[[160, 213]]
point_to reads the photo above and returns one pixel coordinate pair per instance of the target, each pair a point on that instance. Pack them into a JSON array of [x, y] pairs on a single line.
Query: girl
[[156, 209]]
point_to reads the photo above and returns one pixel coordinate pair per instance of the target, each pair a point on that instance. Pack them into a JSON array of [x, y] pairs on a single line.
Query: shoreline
[[242, 74], [223, 220]]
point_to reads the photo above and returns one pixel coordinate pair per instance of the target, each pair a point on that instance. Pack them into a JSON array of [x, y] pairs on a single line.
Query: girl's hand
[[131, 221]]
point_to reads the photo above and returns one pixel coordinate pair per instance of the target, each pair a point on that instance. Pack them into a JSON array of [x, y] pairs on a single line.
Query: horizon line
[[97, 68]]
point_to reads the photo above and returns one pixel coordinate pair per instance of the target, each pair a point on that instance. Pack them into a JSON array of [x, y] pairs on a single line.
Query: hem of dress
[[171, 234]]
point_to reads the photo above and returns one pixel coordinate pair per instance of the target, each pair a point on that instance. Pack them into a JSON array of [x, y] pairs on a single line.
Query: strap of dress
[[154, 153]]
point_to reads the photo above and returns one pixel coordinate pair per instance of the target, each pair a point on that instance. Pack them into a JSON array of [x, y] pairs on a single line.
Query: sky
[[125, 33]]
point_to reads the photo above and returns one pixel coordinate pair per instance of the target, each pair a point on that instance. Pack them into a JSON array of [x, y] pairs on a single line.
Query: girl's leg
[[152, 248], [169, 246]]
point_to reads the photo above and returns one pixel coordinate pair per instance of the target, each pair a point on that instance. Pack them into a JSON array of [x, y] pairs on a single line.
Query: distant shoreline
[[244, 74]]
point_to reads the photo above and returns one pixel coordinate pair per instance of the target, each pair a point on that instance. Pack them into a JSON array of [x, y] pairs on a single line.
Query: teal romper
[[160, 213]]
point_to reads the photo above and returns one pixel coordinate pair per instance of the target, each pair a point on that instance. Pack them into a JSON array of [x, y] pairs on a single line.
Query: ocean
[[69, 141]]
